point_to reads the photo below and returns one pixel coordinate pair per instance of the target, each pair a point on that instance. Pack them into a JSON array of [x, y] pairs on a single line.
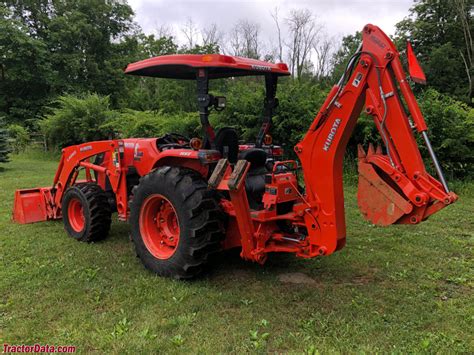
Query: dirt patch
[[296, 278], [241, 274], [362, 280]]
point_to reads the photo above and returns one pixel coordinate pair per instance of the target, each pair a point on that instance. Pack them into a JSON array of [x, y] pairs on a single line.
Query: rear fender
[[186, 158], [189, 163]]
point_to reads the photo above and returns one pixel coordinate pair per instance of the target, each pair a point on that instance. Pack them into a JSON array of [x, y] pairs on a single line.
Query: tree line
[[61, 63]]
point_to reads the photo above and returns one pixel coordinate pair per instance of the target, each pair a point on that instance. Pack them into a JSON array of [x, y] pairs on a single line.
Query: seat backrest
[[255, 156], [227, 142]]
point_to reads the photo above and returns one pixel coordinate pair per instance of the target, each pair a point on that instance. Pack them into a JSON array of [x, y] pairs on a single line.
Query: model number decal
[[357, 80], [85, 148], [261, 67], [332, 133]]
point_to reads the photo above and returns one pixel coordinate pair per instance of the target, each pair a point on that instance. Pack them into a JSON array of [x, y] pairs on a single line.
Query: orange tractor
[[186, 199]]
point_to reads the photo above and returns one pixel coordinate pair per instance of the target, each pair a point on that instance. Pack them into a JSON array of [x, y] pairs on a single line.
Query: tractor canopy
[[203, 68], [186, 66]]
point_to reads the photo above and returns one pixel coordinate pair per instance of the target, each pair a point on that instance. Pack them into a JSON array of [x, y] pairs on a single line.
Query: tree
[[323, 49], [191, 32], [464, 12], [303, 30], [4, 146], [54, 47], [244, 39], [26, 76], [275, 18], [441, 33], [211, 35]]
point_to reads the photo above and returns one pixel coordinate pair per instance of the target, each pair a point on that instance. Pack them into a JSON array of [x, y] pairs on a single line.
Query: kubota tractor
[[185, 199]]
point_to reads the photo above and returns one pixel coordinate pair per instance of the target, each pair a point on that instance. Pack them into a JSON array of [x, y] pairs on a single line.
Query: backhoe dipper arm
[[393, 187]]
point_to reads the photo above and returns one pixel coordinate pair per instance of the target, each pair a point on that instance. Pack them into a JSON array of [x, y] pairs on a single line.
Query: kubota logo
[[331, 134]]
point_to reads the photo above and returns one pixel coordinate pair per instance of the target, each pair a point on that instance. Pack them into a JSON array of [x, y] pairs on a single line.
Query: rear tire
[[86, 212], [176, 223]]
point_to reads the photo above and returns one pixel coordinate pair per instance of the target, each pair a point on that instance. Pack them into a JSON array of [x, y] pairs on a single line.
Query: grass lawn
[[398, 289]]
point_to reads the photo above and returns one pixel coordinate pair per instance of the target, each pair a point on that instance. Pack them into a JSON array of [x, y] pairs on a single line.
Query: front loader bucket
[[31, 205], [379, 202]]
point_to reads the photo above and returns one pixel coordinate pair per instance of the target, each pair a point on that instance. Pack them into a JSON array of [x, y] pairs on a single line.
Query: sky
[[339, 17]]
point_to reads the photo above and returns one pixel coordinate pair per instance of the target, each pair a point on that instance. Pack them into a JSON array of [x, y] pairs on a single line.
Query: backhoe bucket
[[379, 202], [31, 205]]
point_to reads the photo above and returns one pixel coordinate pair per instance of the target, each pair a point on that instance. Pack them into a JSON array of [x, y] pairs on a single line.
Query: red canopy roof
[[184, 66]]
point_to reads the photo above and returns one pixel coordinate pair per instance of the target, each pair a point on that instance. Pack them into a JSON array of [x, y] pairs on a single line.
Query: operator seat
[[255, 181], [227, 142]]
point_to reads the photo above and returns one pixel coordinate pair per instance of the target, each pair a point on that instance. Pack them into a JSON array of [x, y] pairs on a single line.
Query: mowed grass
[[398, 289]]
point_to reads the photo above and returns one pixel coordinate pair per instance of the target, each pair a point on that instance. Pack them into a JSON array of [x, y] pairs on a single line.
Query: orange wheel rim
[[75, 214], [159, 226]]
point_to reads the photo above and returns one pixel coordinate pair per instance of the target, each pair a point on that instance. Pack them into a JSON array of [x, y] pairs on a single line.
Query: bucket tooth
[[378, 150], [370, 150], [360, 152]]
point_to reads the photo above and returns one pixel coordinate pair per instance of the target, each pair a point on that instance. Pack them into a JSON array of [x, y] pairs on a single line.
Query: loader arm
[[394, 187]]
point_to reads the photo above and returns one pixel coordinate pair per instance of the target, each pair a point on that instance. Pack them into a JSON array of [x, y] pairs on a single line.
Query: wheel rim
[[159, 226], [75, 213]]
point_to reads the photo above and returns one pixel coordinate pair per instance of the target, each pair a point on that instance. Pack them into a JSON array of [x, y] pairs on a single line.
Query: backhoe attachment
[[394, 185]]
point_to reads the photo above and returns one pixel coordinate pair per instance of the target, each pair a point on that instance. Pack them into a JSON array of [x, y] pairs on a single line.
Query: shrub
[[19, 137], [77, 119], [131, 123], [451, 131]]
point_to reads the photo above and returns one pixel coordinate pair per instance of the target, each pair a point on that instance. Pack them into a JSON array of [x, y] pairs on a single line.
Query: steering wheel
[[178, 136]]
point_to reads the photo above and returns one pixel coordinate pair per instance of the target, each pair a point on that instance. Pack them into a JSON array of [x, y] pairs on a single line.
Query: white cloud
[[339, 17]]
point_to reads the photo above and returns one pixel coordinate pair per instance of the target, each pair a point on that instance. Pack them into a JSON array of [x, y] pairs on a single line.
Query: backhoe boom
[[393, 187]]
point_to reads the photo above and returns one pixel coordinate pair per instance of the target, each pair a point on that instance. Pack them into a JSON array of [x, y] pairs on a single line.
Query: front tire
[[86, 212], [175, 222]]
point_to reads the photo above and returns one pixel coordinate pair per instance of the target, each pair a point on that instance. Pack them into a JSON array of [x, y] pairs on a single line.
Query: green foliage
[[19, 137], [4, 146], [299, 102], [77, 119], [451, 130], [25, 71], [130, 123], [435, 28], [53, 47], [164, 95]]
